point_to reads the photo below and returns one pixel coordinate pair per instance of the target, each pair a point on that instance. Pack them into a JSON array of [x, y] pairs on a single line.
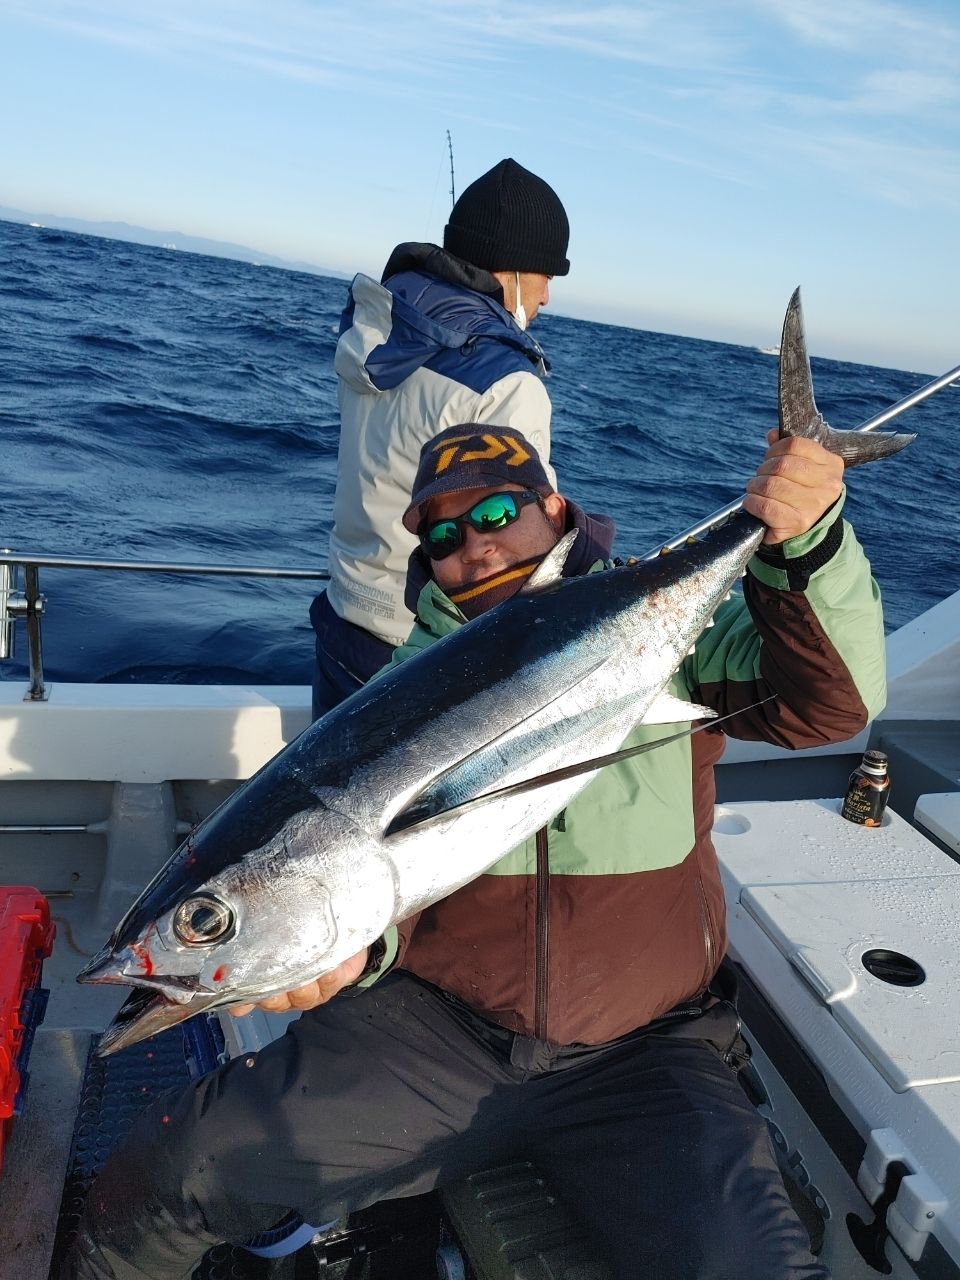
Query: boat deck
[[127, 771]]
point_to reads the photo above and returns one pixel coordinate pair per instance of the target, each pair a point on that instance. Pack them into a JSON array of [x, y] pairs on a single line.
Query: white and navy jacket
[[429, 348]]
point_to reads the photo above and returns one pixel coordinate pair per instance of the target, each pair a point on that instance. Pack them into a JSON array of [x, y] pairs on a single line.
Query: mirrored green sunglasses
[[496, 511]]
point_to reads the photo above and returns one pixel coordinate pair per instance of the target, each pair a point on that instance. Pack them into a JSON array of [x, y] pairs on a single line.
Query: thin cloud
[[897, 93], [723, 90], [865, 28], [653, 34], [908, 176], [292, 40], [384, 38], [389, 36]]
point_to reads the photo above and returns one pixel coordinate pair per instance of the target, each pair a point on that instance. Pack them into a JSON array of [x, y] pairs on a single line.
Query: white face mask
[[520, 314]]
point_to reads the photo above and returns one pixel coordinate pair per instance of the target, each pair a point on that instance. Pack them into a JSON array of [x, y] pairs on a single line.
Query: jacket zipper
[[708, 944], [688, 1011], [541, 971]]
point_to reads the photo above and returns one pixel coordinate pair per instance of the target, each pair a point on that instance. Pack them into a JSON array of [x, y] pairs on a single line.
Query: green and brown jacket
[[615, 913]]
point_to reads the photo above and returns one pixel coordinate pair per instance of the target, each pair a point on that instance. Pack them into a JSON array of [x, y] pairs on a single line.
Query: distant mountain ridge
[[165, 240]]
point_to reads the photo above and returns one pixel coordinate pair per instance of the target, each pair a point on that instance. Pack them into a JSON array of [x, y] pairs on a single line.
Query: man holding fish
[[561, 1007]]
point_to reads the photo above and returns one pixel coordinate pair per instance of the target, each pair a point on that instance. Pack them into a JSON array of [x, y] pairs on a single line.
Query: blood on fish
[[221, 973], [143, 955]]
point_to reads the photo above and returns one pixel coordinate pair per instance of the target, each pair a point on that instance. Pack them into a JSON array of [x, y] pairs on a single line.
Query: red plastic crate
[[26, 938]]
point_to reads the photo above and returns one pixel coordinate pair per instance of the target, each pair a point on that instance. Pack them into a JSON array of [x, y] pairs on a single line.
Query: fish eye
[[200, 921]]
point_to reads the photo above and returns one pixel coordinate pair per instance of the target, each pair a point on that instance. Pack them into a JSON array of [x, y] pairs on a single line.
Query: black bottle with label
[[867, 791]]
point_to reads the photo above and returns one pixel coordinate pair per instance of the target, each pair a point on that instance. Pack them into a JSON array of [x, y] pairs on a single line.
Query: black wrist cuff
[[375, 953], [800, 570]]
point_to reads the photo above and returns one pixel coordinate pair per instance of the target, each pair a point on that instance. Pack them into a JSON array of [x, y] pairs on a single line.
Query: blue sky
[[711, 154]]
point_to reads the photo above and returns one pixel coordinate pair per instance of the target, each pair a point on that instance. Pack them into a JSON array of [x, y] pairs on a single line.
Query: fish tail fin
[[799, 415]]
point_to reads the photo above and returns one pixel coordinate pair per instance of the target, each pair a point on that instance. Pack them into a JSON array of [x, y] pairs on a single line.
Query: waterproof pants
[[346, 657], [393, 1091]]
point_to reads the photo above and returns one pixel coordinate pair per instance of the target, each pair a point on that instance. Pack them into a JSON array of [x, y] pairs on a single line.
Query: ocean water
[[158, 405]]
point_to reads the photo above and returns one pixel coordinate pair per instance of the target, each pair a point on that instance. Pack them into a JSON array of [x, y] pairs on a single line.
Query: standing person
[[441, 340], [560, 1007]]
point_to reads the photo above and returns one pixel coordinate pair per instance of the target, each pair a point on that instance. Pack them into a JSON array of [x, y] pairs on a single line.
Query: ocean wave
[[175, 407], [108, 342]]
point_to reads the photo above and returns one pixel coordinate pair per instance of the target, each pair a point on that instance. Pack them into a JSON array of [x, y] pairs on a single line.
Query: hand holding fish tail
[[797, 481], [311, 994]]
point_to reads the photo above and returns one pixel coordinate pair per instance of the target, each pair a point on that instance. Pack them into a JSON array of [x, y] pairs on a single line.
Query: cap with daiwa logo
[[474, 455]]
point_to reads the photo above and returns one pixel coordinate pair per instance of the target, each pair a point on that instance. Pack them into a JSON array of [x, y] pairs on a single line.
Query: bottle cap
[[875, 762]]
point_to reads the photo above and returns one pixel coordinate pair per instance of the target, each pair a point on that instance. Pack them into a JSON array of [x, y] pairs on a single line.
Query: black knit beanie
[[510, 220]]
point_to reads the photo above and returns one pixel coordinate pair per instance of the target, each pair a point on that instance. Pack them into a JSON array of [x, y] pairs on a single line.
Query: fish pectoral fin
[[667, 709], [521, 744], [476, 775], [550, 568], [799, 415], [408, 820]]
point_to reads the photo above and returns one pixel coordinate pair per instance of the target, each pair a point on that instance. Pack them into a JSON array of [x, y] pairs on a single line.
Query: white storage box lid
[[910, 1033], [939, 812], [827, 892]]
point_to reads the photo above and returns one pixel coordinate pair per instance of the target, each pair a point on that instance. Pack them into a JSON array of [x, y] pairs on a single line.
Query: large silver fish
[[424, 778]]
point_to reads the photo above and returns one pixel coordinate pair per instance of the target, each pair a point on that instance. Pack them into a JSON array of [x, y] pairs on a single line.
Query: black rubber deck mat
[[395, 1240], [114, 1092]]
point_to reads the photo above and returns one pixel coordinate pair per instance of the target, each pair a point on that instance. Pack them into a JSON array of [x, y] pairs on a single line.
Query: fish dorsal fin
[[550, 568], [572, 770], [666, 709]]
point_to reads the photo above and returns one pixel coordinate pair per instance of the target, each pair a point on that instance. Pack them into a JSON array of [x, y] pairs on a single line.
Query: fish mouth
[[153, 1006], [103, 967], [145, 1013], [108, 967]]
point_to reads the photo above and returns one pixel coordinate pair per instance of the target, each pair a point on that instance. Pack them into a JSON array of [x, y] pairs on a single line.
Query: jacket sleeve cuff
[[789, 565], [391, 944]]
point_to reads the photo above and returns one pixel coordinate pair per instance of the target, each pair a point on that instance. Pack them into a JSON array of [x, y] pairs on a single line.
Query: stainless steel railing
[[21, 599]]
